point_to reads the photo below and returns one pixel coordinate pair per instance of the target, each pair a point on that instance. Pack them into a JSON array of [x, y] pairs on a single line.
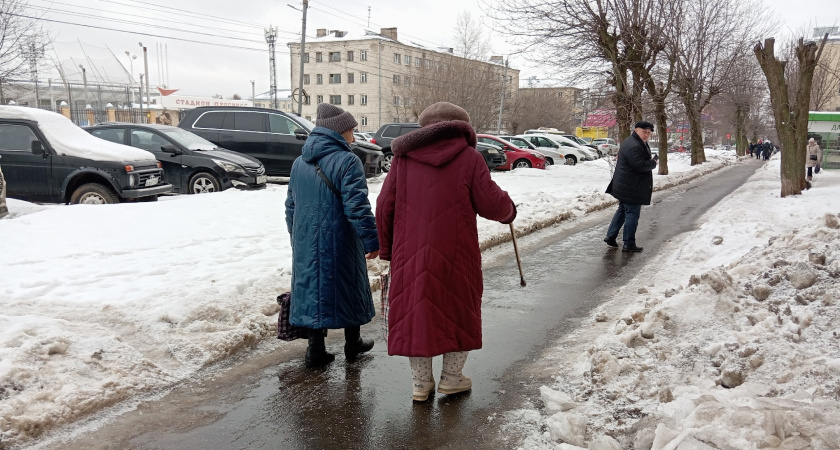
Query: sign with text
[[184, 102]]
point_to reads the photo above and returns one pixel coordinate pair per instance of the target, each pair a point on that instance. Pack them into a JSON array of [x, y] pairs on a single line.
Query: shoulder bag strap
[[327, 180]]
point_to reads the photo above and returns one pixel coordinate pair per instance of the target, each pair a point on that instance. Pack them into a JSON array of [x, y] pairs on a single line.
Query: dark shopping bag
[[817, 168], [285, 330], [385, 281]]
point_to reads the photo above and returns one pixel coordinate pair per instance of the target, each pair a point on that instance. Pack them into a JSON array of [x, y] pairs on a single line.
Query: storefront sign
[[182, 102]]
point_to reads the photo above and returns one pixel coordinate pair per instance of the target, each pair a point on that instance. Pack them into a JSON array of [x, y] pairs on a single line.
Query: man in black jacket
[[632, 185]]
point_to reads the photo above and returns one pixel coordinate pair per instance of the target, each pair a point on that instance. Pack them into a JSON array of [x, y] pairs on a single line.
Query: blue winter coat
[[330, 236]]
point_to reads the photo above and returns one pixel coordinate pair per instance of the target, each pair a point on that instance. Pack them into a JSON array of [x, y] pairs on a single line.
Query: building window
[[335, 99], [396, 100], [307, 100], [335, 78], [407, 80], [364, 99], [305, 58], [363, 77], [396, 79], [319, 79], [306, 78], [335, 56], [364, 120], [417, 62], [363, 55], [319, 57], [407, 60], [351, 78], [350, 55], [428, 64], [397, 58], [309, 118], [351, 99], [319, 99]]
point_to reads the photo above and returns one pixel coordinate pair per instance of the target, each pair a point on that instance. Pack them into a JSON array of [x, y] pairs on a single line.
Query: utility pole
[[131, 59], [302, 49], [142, 117], [502, 103], [52, 100], [380, 83], [271, 39], [253, 95], [34, 53], [146, 69], [84, 80]]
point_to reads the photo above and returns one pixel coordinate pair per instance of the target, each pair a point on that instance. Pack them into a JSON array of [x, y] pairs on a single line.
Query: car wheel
[[571, 160], [549, 162], [522, 164], [386, 161], [203, 183], [93, 194]]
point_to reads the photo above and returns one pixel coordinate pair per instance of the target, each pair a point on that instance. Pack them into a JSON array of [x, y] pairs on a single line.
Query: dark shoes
[[318, 358], [352, 350], [611, 242], [632, 248]]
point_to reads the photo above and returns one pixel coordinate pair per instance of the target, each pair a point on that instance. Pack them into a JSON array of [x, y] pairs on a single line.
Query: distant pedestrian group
[[761, 150]]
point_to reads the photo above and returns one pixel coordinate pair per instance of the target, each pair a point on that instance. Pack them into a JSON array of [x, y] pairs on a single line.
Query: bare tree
[[471, 40], [710, 36], [540, 107], [19, 37], [791, 111]]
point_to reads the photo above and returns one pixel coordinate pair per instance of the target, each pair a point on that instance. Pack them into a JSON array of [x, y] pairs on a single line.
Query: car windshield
[[519, 142], [190, 140], [307, 125]]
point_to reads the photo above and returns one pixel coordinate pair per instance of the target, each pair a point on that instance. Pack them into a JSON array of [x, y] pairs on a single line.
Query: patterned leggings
[[453, 363]]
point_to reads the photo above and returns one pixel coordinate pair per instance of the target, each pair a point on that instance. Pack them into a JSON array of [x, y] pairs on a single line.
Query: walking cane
[[516, 250]]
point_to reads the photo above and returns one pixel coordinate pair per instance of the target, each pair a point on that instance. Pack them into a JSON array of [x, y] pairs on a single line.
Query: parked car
[[493, 155], [387, 133], [585, 143], [552, 156], [516, 157], [47, 158], [371, 156], [608, 145], [273, 137], [360, 136], [571, 151], [191, 164]]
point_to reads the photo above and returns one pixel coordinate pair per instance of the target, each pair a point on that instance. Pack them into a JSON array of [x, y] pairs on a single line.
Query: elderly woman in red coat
[[426, 217]]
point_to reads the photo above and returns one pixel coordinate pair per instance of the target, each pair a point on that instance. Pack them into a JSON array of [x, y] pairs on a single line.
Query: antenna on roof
[[368, 17]]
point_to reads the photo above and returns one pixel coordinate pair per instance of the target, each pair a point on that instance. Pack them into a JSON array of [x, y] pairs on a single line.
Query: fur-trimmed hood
[[436, 144]]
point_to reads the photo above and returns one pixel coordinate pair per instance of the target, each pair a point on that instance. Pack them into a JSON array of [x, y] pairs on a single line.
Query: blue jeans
[[627, 215]]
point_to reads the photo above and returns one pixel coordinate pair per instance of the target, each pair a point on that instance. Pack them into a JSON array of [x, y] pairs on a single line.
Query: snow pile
[[742, 354], [104, 304]]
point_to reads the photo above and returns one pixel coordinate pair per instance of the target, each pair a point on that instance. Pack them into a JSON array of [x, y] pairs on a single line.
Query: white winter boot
[[452, 380], [423, 382]]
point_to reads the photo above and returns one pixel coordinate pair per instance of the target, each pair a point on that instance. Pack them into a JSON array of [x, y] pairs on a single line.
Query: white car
[[552, 156], [572, 151], [610, 146], [362, 136]]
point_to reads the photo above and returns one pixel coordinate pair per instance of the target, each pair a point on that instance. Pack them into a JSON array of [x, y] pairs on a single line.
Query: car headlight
[[538, 155], [492, 151], [229, 167]]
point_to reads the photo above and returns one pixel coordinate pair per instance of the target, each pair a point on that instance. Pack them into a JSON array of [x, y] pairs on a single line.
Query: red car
[[516, 157]]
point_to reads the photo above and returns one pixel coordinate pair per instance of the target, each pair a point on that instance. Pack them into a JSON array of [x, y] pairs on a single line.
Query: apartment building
[[825, 91], [380, 79]]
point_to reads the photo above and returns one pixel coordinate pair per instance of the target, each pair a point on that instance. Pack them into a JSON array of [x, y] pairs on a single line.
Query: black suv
[[273, 137], [191, 163], [46, 158], [493, 155], [387, 133]]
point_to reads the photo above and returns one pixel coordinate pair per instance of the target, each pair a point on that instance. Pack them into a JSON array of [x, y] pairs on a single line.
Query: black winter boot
[[316, 353], [354, 345]]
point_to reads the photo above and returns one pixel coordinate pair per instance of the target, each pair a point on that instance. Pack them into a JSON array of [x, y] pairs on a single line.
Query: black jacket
[[632, 181]]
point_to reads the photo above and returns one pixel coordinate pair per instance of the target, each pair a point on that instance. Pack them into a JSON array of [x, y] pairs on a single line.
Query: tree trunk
[[662, 132], [741, 129]]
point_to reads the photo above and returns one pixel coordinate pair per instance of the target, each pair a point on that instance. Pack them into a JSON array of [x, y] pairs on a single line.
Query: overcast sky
[[231, 50]]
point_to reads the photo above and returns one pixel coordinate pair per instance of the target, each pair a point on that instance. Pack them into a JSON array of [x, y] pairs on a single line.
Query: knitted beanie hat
[[334, 118], [442, 112]]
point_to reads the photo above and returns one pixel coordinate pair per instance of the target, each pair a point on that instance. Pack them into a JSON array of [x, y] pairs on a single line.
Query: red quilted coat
[[426, 218]]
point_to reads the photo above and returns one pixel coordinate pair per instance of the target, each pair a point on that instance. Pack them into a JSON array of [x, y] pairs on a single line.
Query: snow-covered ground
[[102, 304], [729, 340]]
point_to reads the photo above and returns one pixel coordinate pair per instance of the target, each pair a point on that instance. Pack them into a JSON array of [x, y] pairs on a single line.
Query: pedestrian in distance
[[333, 231], [632, 185], [813, 157], [426, 217]]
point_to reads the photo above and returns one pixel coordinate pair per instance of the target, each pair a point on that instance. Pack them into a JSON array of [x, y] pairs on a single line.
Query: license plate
[[261, 179], [152, 180]]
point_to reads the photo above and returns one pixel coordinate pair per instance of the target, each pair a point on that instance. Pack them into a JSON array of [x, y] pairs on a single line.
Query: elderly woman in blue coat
[[333, 231]]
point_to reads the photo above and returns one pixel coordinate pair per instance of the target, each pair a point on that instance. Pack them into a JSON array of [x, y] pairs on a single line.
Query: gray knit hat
[[335, 118], [442, 112]]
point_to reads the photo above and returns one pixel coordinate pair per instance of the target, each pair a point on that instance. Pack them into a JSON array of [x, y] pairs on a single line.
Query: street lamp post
[[131, 59], [302, 49], [253, 95], [84, 79], [146, 69]]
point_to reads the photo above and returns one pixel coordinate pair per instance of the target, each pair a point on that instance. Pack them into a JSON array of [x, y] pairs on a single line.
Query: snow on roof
[[67, 139]]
